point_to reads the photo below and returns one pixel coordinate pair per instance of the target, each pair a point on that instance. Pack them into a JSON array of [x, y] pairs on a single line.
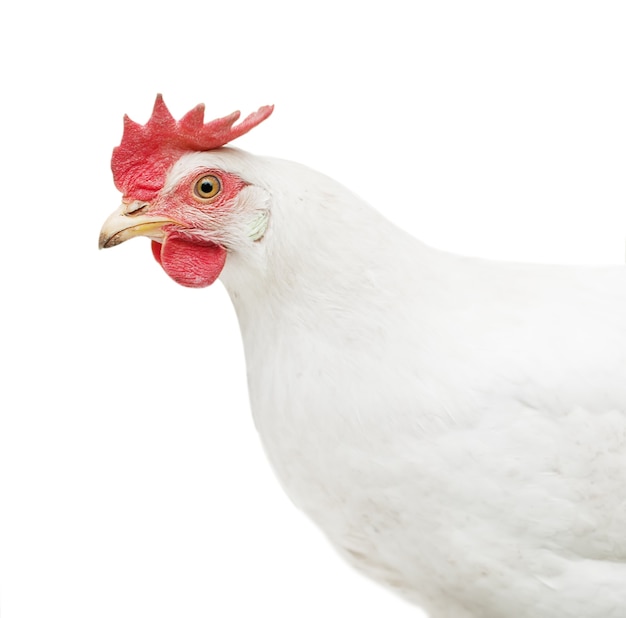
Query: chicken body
[[456, 426]]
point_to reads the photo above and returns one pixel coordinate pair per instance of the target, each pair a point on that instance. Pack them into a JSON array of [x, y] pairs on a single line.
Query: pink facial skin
[[186, 254]]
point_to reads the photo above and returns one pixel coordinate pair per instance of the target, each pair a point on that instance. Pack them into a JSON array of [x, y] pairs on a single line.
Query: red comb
[[140, 163]]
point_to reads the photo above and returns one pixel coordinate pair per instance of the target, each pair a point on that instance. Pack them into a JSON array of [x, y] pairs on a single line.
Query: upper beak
[[121, 226]]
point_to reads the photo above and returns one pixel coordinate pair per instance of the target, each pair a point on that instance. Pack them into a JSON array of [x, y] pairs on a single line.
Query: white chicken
[[456, 426]]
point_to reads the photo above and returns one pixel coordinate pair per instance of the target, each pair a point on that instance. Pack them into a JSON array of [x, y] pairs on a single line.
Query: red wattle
[[189, 263], [156, 250]]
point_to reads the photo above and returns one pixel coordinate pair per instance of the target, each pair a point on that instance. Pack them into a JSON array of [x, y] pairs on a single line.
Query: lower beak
[[121, 226]]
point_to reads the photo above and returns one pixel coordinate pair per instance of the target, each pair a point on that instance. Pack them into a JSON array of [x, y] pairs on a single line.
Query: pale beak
[[121, 226]]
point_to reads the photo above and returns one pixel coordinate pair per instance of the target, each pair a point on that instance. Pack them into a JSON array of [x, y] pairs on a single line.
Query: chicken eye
[[207, 187]]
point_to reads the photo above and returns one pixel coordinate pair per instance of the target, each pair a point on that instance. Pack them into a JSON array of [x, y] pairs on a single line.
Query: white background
[[132, 482]]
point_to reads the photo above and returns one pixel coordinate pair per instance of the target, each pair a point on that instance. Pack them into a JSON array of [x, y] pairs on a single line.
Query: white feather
[[456, 426]]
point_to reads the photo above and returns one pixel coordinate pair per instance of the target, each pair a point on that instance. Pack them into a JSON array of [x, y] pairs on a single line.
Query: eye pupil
[[206, 186]]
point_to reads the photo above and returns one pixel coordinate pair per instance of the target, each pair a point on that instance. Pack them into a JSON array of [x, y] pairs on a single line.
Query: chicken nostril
[[135, 208]]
